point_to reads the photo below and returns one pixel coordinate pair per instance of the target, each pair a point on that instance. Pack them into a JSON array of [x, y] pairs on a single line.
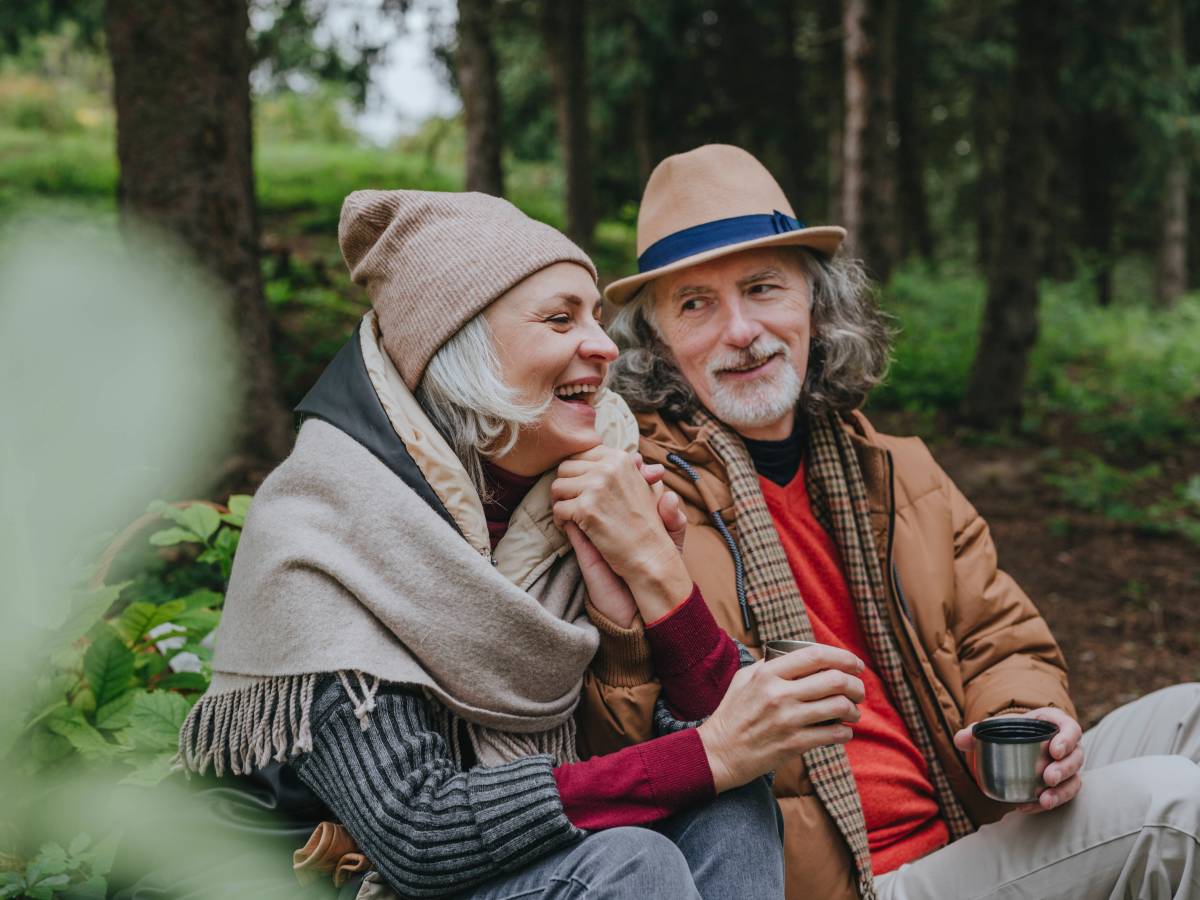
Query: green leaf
[[12, 884], [86, 611], [70, 723], [48, 747], [79, 843], [115, 714], [108, 667], [85, 702], [199, 518], [239, 505], [183, 681], [156, 719], [169, 537], [142, 617], [202, 599], [46, 887], [51, 859], [149, 665], [95, 888], [198, 622], [104, 853], [150, 770]]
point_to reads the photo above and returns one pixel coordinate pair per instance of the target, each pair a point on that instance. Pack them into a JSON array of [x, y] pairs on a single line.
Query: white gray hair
[[848, 355], [462, 391]]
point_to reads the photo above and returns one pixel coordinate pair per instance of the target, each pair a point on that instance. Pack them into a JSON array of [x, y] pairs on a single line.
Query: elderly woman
[[436, 612]]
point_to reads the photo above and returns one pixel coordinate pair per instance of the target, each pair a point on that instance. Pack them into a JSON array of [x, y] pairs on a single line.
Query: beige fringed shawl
[[343, 569]]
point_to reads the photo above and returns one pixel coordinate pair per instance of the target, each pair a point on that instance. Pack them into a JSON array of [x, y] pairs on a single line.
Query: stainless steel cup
[[776, 649], [1010, 756]]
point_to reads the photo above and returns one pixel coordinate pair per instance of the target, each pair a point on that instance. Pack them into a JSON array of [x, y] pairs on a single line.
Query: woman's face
[[550, 343]]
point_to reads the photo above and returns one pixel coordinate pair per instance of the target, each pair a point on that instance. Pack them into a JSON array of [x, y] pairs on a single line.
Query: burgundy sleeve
[[637, 785], [695, 660]]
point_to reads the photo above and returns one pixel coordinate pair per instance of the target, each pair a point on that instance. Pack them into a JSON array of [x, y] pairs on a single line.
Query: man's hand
[[1062, 774]]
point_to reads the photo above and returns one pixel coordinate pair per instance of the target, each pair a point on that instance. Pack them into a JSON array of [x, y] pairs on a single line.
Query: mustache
[[759, 352]]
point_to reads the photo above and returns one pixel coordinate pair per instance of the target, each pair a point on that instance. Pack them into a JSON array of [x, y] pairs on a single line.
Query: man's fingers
[[828, 683], [653, 473], [808, 660], [1052, 798], [670, 510], [1059, 772], [964, 740]]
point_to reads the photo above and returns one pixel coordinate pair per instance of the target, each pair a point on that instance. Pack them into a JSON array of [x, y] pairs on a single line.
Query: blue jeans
[[731, 847]]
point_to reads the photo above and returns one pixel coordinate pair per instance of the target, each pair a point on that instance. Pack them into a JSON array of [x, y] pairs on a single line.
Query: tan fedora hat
[[710, 202]]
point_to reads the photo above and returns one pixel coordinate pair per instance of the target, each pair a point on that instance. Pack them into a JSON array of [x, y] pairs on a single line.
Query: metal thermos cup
[[1010, 756], [775, 649]]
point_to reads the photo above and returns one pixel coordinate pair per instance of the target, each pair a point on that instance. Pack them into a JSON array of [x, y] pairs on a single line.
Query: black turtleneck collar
[[778, 461]]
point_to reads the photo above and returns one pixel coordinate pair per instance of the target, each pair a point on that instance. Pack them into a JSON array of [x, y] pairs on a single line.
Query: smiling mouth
[[752, 367], [580, 394]]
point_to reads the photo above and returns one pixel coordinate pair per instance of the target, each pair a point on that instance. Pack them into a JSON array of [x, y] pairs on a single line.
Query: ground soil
[[1125, 606]]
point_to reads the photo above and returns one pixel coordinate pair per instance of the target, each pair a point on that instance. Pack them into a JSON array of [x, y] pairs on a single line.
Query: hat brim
[[825, 238]]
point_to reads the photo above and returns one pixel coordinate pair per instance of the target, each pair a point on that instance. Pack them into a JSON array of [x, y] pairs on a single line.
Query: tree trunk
[[1097, 169], [916, 235], [1171, 277], [563, 27], [1009, 329], [641, 128], [868, 165], [475, 63], [833, 69], [987, 134], [181, 88]]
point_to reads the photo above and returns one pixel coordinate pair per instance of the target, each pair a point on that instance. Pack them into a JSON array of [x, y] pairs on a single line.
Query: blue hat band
[[710, 235]]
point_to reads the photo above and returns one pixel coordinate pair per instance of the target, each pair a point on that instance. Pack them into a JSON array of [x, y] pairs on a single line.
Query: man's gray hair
[[463, 392], [847, 358]]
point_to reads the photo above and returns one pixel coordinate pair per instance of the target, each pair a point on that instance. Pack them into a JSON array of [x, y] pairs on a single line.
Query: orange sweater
[[902, 815]]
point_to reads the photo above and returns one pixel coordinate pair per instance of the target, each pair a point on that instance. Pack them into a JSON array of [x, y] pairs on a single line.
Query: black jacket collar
[[345, 398]]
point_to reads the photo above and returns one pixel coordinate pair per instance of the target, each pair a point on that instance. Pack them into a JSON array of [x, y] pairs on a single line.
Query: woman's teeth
[[575, 392]]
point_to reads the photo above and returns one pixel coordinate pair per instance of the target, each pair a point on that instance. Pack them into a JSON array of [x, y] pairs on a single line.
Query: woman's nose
[[598, 346]]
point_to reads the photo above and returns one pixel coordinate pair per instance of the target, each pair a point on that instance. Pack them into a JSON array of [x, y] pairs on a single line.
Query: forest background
[[1016, 174]]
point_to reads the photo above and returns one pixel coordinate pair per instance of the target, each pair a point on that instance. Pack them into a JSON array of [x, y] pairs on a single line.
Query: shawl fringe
[[270, 721], [245, 729]]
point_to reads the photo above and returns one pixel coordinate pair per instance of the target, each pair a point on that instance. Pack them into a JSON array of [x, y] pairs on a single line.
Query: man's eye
[[690, 305], [762, 288]]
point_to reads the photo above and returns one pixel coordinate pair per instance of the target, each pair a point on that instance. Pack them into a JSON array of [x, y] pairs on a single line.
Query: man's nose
[[741, 328]]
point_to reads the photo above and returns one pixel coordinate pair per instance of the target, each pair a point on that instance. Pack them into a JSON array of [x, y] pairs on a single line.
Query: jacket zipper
[[902, 605]]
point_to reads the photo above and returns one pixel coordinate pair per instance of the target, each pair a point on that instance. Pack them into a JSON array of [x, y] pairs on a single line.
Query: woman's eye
[[560, 319]]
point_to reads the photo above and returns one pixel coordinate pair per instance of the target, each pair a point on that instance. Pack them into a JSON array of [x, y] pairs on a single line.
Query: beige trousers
[[1133, 831]]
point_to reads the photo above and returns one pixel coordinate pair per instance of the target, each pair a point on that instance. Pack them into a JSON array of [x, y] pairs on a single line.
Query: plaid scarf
[[839, 497]]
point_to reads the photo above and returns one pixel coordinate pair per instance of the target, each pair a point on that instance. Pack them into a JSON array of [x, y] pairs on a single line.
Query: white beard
[[764, 400]]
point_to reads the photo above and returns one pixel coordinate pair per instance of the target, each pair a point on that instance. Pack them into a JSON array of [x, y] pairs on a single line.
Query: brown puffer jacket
[[973, 644]]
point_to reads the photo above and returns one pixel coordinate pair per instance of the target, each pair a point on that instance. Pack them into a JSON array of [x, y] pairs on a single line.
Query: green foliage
[[1129, 374], [1094, 486], [78, 872], [125, 669]]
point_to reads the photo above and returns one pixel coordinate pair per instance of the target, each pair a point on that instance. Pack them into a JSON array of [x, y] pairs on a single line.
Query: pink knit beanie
[[431, 261]]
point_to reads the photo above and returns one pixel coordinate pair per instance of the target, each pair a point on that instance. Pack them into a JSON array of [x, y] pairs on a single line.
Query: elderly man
[[748, 347]]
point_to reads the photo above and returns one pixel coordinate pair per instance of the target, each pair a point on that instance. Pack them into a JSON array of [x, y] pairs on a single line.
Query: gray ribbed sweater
[[429, 828]]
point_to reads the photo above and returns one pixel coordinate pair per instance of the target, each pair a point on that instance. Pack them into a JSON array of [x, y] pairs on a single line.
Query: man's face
[[739, 329]]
